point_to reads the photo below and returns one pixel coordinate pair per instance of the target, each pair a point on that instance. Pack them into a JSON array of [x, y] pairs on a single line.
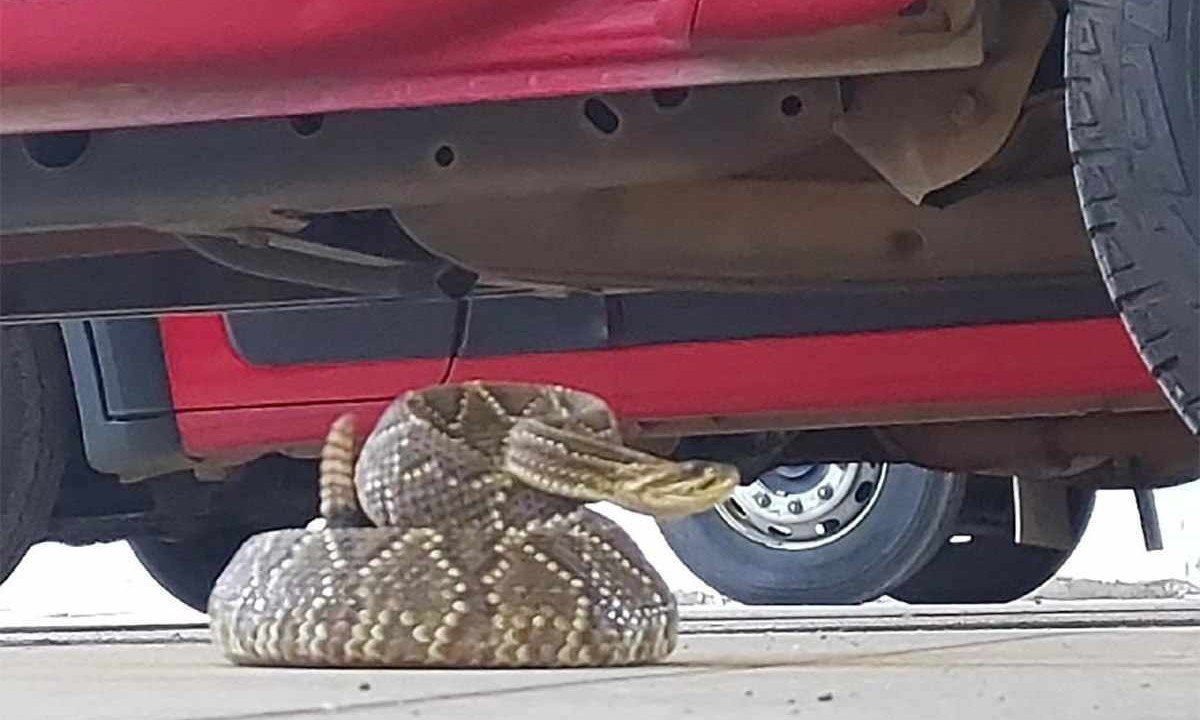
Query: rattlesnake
[[460, 538]]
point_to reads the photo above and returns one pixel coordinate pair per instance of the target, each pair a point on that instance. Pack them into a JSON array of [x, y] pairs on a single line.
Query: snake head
[[590, 467], [674, 489]]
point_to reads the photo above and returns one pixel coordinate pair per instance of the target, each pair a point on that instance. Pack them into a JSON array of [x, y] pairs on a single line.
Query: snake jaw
[[672, 490], [568, 463]]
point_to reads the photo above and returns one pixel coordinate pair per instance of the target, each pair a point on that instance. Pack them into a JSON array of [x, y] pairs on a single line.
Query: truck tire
[[991, 567], [188, 569], [268, 494], [906, 519], [35, 401], [1131, 84]]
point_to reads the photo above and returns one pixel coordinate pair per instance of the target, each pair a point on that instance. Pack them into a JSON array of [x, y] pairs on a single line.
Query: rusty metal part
[[1103, 450], [210, 177], [739, 234], [944, 34], [923, 131], [922, 415], [1037, 145], [1036, 148], [1042, 448], [216, 177]]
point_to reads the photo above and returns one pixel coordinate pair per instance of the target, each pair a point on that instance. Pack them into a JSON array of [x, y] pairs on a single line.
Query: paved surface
[[732, 668], [124, 629]]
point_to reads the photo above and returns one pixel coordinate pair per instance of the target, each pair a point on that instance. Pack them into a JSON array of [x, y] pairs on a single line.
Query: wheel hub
[[793, 507]]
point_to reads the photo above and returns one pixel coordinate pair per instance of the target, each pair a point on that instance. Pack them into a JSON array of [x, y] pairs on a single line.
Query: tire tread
[[1135, 192]]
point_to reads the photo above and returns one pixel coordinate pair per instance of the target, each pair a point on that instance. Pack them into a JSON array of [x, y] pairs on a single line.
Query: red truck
[[838, 243]]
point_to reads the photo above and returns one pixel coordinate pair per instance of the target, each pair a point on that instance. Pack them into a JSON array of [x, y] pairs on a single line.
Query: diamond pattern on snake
[[459, 537]]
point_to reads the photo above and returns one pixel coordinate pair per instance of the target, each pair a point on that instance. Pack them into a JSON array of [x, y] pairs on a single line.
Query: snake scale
[[460, 537]]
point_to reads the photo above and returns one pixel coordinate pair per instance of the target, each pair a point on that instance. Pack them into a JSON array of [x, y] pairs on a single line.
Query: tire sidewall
[[910, 520], [994, 569], [189, 567], [34, 408]]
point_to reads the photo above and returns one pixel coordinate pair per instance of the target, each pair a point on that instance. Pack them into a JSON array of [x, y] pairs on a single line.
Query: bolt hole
[[779, 531], [56, 150], [863, 491], [307, 125], [670, 98], [791, 105], [601, 116], [444, 156], [829, 527], [904, 244]]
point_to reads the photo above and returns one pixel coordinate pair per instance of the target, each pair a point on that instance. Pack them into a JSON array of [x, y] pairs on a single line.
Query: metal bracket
[[314, 265], [213, 178], [1043, 515], [757, 234], [1148, 518], [123, 361], [923, 131]]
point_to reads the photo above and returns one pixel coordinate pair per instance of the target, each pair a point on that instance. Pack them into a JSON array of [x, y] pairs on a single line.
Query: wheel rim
[[799, 507]]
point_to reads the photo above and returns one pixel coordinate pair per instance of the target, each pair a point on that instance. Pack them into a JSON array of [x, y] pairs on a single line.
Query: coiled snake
[[460, 538]]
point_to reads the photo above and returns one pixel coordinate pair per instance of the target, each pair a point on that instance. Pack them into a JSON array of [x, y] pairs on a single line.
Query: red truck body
[[140, 62], [227, 405]]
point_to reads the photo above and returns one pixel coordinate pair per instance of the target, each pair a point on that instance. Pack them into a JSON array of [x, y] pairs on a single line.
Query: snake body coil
[[460, 538]]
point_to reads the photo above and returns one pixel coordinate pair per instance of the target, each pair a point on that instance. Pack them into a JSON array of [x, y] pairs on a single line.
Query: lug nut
[[762, 500], [824, 492], [796, 506]]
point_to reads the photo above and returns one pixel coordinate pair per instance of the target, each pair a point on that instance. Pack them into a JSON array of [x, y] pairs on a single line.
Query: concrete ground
[[726, 668]]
